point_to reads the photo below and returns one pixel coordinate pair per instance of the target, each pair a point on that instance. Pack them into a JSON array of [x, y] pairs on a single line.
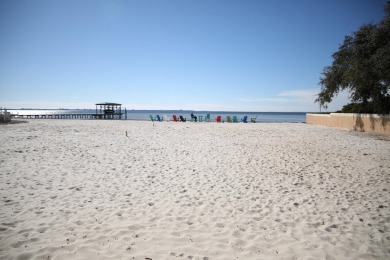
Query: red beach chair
[[218, 119], [175, 118]]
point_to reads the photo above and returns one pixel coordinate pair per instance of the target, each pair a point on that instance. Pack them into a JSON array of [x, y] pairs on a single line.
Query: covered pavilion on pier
[[108, 110]]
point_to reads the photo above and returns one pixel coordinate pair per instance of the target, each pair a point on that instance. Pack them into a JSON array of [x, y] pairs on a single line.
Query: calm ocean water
[[291, 117]]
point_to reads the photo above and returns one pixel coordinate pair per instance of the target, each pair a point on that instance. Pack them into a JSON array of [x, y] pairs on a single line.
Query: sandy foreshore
[[80, 189]]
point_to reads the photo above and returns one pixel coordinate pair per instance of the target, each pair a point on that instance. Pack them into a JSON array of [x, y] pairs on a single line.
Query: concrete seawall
[[379, 124]]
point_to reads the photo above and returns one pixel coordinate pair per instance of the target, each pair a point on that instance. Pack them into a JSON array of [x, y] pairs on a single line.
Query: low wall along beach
[[379, 124]]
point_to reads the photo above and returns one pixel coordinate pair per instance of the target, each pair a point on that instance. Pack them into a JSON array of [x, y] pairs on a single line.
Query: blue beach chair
[[245, 119], [194, 118]]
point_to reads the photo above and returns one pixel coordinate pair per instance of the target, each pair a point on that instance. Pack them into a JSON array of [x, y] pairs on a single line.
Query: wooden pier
[[107, 111], [67, 116]]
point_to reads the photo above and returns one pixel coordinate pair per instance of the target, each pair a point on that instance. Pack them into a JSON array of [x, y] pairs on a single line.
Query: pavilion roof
[[108, 104]]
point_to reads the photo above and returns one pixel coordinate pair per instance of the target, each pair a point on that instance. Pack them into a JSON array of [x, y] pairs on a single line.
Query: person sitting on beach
[[195, 117]]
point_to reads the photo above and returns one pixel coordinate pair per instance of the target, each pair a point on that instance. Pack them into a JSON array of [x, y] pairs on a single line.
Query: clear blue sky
[[237, 55]]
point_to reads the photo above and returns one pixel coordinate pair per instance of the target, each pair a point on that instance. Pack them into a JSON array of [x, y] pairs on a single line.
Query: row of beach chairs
[[218, 119]]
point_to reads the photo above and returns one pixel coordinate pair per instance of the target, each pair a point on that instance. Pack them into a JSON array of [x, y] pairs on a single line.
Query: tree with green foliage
[[362, 66]]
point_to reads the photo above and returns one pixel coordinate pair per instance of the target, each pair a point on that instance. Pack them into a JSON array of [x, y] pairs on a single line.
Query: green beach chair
[[228, 119], [235, 119], [207, 118], [152, 118]]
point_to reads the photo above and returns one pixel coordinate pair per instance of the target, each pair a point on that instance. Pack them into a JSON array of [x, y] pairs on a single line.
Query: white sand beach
[[81, 189]]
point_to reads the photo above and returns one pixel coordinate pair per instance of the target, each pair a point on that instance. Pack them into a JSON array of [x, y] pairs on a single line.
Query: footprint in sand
[[42, 229], [329, 229], [220, 225]]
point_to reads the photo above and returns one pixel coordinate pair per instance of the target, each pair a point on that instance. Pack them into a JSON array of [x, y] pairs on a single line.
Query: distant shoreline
[[166, 110]]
